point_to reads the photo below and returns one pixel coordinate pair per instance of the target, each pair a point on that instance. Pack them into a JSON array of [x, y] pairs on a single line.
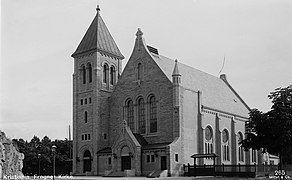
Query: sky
[[39, 36]]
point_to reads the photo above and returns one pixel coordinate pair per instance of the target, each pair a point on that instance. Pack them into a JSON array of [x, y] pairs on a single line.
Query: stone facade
[[153, 116]]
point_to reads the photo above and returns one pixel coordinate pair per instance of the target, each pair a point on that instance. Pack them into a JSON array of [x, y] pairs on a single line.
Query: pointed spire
[[175, 70], [98, 38]]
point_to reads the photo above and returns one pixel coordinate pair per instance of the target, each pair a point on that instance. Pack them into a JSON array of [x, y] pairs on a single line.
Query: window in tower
[[153, 114], [83, 74], [81, 101], [139, 72], [85, 100], [105, 73], [141, 116], [89, 73], [112, 75], [85, 116], [129, 112], [90, 100]]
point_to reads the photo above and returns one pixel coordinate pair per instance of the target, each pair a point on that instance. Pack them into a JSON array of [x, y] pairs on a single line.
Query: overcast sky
[[39, 36]]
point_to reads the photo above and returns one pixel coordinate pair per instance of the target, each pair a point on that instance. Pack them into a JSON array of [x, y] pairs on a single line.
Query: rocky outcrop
[[10, 158]]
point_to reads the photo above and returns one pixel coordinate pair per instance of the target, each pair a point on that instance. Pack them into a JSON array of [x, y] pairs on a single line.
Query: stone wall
[[10, 158]]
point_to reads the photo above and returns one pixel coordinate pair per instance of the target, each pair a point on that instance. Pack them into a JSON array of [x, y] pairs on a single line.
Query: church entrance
[[163, 163], [126, 162], [86, 161]]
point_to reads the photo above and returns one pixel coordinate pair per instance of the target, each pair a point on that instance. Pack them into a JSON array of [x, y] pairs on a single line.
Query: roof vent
[[152, 50]]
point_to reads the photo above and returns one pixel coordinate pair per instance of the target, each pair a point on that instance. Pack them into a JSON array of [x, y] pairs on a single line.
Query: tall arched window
[[225, 141], [130, 114], [112, 75], [208, 140], [153, 114], [89, 73], [139, 71], [141, 117], [83, 69], [85, 116], [240, 148], [105, 73]]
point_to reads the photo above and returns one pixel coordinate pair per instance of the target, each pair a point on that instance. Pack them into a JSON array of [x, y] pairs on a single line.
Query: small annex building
[[152, 116]]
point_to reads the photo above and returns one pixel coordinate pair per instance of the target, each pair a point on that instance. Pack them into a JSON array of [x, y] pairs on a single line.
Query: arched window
[[240, 148], [141, 116], [89, 73], [85, 116], [208, 140], [112, 75], [130, 114], [105, 73], [83, 69], [139, 71], [153, 114], [225, 141]]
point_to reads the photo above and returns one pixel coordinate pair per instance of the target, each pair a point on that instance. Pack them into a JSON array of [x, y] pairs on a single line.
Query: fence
[[220, 170]]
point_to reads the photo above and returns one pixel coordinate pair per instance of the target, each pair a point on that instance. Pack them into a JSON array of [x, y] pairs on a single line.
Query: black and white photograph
[[167, 89]]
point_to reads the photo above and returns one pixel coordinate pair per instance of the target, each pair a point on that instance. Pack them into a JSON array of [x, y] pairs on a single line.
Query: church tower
[[97, 66]]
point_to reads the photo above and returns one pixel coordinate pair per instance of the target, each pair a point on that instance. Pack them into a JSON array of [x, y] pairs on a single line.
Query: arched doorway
[[86, 161], [126, 158]]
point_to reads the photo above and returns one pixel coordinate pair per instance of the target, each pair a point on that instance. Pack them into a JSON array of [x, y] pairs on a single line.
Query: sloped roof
[[142, 141], [98, 37], [215, 92]]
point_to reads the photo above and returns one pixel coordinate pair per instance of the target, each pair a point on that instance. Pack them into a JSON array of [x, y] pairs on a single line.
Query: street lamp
[[39, 157], [54, 152]]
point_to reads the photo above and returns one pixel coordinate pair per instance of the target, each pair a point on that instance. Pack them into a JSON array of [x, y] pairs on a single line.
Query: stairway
[[158, 173]]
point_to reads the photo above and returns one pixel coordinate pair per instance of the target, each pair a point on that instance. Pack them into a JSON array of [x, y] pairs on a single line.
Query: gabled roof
[[215, 92], [98, 38]]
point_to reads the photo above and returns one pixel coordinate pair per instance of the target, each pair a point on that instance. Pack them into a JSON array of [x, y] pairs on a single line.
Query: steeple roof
[[175, 69], [98, 38]]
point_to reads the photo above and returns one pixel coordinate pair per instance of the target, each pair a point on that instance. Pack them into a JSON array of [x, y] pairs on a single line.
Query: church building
[[153, 115]]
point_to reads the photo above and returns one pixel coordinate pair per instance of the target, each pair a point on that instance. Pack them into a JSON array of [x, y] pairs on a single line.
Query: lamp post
[[39, 157], [54, 152]]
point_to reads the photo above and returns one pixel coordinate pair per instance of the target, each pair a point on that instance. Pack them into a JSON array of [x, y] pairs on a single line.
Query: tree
[[43, 147], [273, 130]]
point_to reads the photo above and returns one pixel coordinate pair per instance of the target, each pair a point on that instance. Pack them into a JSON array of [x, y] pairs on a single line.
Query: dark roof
[[142, 141], [105, 150], [204, 155], [98, 37]]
